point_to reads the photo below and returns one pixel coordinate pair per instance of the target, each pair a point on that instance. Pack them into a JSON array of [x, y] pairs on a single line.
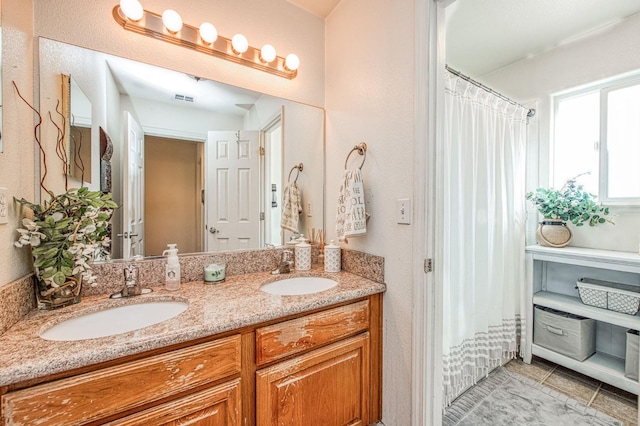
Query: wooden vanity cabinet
[[324, 375], [320, 368]]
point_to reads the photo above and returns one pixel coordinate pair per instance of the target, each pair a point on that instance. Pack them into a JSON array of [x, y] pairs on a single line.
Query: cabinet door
[[218, 406], [326, 387]]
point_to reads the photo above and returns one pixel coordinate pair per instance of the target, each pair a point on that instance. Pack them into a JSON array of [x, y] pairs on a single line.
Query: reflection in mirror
[[195, 162], [79, 135]]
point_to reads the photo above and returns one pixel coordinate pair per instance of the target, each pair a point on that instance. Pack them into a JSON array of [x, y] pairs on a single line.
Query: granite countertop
[[213, 308]]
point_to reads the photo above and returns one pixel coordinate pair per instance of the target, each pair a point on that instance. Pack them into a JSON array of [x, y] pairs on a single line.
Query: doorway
[[173, 194]]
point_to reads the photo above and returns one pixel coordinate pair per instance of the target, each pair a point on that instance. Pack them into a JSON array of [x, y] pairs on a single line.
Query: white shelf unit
[[551, 277]]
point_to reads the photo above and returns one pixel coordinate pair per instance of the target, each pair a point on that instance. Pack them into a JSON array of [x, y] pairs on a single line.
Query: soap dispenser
[[172, 271]]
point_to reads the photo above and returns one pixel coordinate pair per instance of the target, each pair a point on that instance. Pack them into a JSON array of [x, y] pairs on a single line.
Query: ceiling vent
[[184, 98]]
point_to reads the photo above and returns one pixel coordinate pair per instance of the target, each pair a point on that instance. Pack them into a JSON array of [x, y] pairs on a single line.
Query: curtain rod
[[531, 111]]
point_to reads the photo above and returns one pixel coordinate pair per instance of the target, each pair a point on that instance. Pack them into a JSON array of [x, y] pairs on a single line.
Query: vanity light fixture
[[208, 32], [172, 20], [132, 9], [239, 44], [292, 62], [268, 53], [170, 28]]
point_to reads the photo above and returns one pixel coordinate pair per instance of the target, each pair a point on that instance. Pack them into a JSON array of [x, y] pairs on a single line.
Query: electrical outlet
[[4, 206], [403, 211], [309, 211]]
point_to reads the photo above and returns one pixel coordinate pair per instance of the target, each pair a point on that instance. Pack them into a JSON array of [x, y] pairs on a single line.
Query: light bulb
[[132, 9], [172, 20], [292, 62], [208, 32], [239, 43], [268, 53]]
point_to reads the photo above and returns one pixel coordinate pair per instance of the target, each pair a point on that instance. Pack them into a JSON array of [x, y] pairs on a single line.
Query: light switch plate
[[309, 210], [4, 206], [403, 211]]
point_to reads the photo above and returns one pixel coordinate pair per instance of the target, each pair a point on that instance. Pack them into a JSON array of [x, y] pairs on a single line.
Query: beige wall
[[369, 93], [17, 158]]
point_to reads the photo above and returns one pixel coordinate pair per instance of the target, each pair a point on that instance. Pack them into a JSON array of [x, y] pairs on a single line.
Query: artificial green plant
[[569, 204]]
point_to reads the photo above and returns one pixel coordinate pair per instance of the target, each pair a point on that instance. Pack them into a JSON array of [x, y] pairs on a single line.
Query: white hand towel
[[291, 207], [351, 219]]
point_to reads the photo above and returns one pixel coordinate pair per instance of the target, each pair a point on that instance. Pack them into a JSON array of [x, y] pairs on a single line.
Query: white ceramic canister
[[332, 258], [303, 256]]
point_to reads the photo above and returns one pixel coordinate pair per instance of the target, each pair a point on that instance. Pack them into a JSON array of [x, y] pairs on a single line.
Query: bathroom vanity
[[552, 274], [236, 356]]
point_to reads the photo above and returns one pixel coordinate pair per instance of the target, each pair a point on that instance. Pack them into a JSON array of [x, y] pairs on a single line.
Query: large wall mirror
[[189, 160]]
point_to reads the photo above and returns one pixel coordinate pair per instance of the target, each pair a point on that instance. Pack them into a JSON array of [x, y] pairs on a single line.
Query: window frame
[[603, 88]]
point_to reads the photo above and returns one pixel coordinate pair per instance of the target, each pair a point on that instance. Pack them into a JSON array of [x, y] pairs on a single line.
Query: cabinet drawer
[[287, 338], [219, 405], [102, 393]]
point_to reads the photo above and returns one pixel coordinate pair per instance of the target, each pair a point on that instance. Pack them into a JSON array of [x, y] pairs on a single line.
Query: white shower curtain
[[484, 209]]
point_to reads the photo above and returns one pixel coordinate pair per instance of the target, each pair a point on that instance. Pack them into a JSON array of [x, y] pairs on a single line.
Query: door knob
[[213, 230]]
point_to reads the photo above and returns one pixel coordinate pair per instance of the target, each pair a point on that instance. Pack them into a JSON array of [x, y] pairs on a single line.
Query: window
[[597, 135]]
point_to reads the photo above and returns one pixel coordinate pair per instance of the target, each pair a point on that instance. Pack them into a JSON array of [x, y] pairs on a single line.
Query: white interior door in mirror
[[133, 190], [232, 194]]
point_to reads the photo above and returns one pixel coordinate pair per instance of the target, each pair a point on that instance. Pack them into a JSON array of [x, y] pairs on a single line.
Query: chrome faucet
[[285, 265], [131, 284]]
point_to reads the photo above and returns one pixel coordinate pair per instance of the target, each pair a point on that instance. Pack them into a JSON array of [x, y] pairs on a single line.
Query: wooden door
[[218, 406], [133, 189], [232, 190], [326, 387]]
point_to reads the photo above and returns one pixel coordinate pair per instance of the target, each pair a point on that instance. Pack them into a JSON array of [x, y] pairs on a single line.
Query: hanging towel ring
[[362, 150], [299, 168]]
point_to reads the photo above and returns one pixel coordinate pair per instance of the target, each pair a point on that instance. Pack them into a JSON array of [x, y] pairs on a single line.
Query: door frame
[[427, 289], [265, 169]]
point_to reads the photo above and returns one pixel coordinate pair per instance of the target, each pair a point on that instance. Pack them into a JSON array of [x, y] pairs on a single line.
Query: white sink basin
[[298, 285], [116, 320]]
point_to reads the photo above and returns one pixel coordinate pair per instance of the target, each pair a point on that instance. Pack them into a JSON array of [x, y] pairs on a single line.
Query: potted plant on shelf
[[567, 204]]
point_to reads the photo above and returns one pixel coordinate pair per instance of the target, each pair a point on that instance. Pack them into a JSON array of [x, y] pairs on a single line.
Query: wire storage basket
[[616, 297]]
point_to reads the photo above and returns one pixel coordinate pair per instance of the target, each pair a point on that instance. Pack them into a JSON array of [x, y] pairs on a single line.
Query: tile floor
[[615, 402]]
